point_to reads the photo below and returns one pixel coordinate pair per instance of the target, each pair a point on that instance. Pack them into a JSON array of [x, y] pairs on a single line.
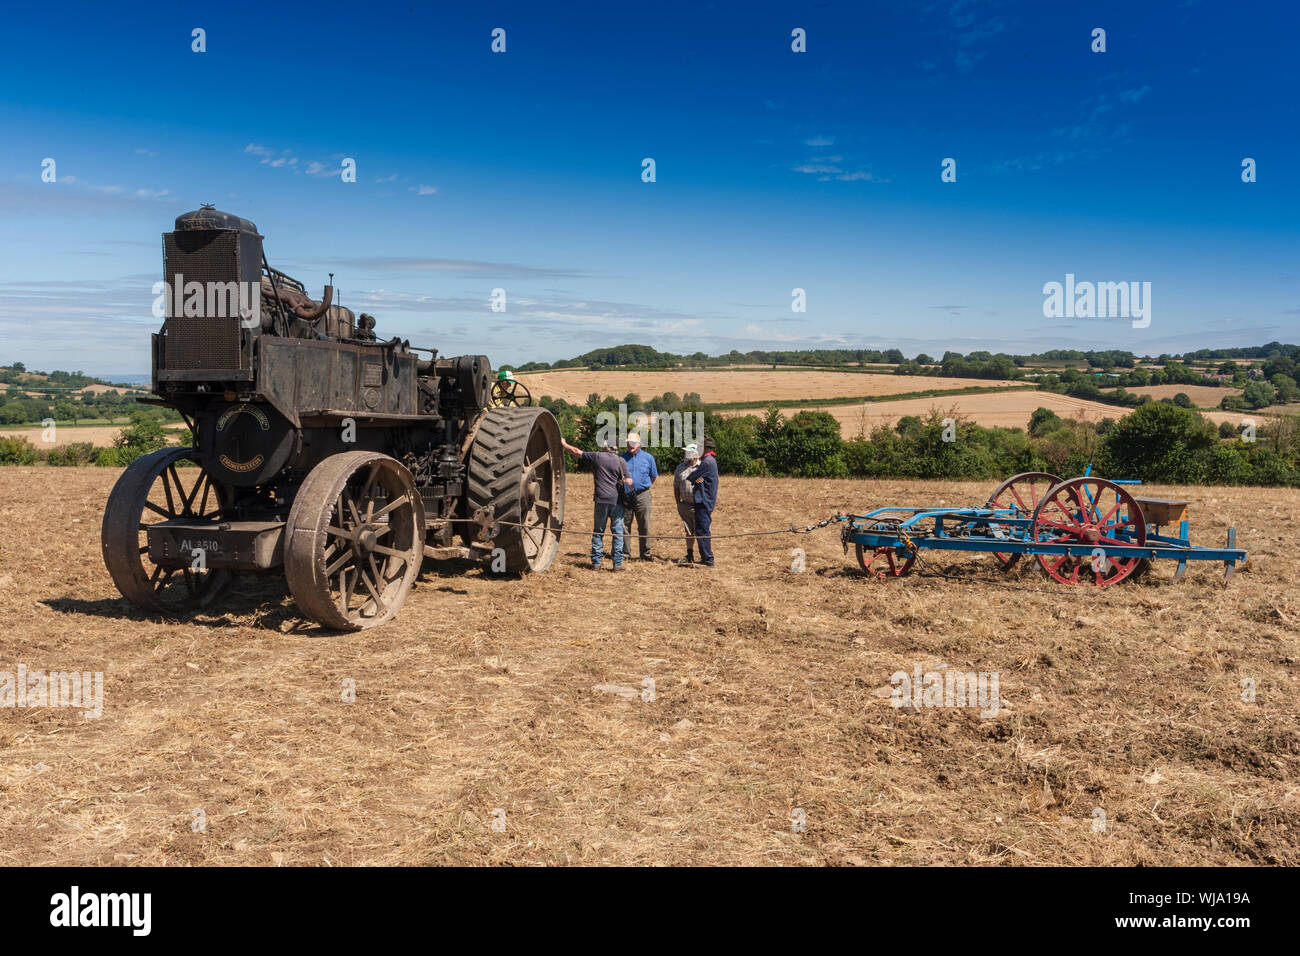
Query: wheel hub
[[367, 540]]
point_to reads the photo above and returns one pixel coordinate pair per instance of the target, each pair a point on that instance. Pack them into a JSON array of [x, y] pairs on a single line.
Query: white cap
[[692, 450]]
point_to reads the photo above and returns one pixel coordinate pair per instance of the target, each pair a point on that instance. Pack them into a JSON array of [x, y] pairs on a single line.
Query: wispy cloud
[[1132, 96], [963, 34], [285, 159], [460, 268], [71, 196]]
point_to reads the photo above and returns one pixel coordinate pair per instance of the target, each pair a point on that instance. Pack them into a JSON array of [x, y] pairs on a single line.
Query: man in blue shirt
[[643, 469], [706, 499]]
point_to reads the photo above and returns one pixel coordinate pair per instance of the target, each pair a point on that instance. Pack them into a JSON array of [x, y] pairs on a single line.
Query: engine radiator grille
[[193, 343], [201, 343]]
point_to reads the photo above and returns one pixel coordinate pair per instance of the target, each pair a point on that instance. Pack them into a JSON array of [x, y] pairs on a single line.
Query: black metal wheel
[[510, 391], [154, 488], [516, 467], [355, 540]]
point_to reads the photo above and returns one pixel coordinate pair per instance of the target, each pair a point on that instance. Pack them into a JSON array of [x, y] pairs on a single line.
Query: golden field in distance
[[740, 385]]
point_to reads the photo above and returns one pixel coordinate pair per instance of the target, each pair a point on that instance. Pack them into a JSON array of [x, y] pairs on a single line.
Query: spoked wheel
[[355, 540], [1093, 512], [516, 466], [1021, 493], [887, 561], [510, 391], [153, 489]]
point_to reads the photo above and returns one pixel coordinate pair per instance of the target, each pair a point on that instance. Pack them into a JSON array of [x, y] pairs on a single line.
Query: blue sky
[[775, 170]]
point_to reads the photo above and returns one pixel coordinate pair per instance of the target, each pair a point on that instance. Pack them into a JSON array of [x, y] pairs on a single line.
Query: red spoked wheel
[[887, 561], [1021, 493], [1089, 511]]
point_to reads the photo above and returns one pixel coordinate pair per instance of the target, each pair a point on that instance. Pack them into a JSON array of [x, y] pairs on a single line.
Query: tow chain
[[801, 529], [923, 570]]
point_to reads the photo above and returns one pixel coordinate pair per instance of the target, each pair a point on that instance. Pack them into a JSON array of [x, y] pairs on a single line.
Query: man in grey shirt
[[609, 471]]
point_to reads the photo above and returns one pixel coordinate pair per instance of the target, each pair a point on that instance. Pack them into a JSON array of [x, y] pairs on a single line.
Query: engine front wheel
[[154, 488]]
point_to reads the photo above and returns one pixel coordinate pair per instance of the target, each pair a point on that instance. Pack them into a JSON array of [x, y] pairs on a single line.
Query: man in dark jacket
[[706, 499], [609, 473]]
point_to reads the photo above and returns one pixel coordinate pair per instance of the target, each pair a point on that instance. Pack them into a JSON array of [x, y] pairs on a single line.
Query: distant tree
[[1183, 401], [1159, 442], [1286, 388], [1043, 420], [1258, 394]]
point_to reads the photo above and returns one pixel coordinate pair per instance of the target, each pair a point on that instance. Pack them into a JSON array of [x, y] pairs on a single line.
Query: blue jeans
[[614, 515], [703, 521]]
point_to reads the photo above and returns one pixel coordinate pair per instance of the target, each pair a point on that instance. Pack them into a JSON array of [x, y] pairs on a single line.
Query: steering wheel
[[510, 391]]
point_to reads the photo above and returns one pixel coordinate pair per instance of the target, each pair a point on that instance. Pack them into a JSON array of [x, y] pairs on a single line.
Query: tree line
[[1158, 442]]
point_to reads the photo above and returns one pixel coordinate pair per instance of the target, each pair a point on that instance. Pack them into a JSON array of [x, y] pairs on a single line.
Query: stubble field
[[739, 385], [989, 409], [1123, 736]]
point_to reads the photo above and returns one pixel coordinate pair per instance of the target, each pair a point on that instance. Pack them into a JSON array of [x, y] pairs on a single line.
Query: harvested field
[[771, 694], [100, 435], [739, 386], [101, 389], [1202, 396], [1010, 410]]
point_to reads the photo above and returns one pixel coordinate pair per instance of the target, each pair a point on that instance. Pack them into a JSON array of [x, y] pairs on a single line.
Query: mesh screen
[[194, 343]]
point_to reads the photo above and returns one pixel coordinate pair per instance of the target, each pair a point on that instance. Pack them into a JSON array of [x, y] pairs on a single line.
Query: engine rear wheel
[[153, 489], [516, 466], [355, 540]]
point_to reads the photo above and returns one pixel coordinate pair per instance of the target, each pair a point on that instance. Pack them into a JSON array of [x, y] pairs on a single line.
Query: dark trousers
[[638, 510], [686, 511], [703, 518]]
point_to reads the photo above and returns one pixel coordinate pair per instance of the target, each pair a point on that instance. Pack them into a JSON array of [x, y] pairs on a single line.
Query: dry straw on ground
[[771, 696]]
